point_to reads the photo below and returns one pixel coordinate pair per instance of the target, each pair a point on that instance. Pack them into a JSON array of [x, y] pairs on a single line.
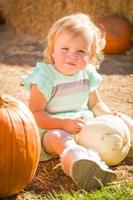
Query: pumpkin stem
[[3, 101]]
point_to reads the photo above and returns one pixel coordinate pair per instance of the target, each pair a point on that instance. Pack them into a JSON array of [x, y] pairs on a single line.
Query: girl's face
[[72, 53]]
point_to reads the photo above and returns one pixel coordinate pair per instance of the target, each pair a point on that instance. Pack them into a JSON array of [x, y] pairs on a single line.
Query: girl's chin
[[70, 73], [68, 69]]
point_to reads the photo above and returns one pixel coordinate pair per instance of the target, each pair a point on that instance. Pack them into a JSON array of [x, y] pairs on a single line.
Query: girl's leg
[[83, 166], [56, 141], [86, 168]]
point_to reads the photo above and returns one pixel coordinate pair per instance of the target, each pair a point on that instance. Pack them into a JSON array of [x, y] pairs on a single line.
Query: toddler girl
[[61, 88]]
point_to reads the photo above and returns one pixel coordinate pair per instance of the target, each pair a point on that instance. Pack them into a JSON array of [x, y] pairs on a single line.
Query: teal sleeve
[[94, 78], [40, 75]]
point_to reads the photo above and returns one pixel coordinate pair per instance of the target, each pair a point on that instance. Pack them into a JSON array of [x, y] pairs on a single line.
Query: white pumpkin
[[109, 136]]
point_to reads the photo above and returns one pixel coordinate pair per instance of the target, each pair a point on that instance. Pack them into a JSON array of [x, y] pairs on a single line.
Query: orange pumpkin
[[118, 33], [19, 146]]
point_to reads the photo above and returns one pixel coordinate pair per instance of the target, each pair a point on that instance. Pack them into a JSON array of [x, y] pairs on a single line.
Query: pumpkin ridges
[[37, 139], [8, 166], [24, 145], [27, 161], [14, 182], [36, 154], [21, 155], [13, 155], [4, 153]]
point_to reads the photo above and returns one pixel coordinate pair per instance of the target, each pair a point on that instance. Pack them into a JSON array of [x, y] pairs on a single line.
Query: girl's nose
[[73, 55]]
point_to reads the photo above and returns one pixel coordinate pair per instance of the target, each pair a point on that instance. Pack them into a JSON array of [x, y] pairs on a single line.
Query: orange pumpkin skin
[[118, 34], [19, 146]]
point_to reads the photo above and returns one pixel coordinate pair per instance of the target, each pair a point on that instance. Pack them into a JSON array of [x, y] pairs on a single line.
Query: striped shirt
[[67, 96]]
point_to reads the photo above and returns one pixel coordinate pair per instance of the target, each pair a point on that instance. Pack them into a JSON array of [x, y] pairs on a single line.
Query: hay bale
[[2, 19], [35, 17], [122, 7]]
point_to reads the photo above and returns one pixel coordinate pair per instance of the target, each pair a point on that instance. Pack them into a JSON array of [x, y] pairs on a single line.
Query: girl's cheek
[[57, 55]]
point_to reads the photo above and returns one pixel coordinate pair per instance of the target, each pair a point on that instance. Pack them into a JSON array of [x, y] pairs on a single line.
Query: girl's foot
[[88, 174]]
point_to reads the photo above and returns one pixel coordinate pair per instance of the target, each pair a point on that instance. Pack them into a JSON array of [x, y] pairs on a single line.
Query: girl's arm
[[37, 105], [96, 104]]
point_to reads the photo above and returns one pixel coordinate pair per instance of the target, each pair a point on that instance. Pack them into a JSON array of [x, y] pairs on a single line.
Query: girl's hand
[[73, 126]]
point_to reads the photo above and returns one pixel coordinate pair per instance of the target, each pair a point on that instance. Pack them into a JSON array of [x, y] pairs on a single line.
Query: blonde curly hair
[[78, 23]]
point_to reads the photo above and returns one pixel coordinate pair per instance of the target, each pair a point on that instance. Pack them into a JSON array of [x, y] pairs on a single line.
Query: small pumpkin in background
[[118, 33], [19, 146]]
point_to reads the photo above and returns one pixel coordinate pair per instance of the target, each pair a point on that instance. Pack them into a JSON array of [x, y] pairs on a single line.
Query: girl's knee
[[55, 141]]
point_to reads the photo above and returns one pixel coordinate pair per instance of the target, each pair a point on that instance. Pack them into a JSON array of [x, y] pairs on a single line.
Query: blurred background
[[35, 17], [27, 22]]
